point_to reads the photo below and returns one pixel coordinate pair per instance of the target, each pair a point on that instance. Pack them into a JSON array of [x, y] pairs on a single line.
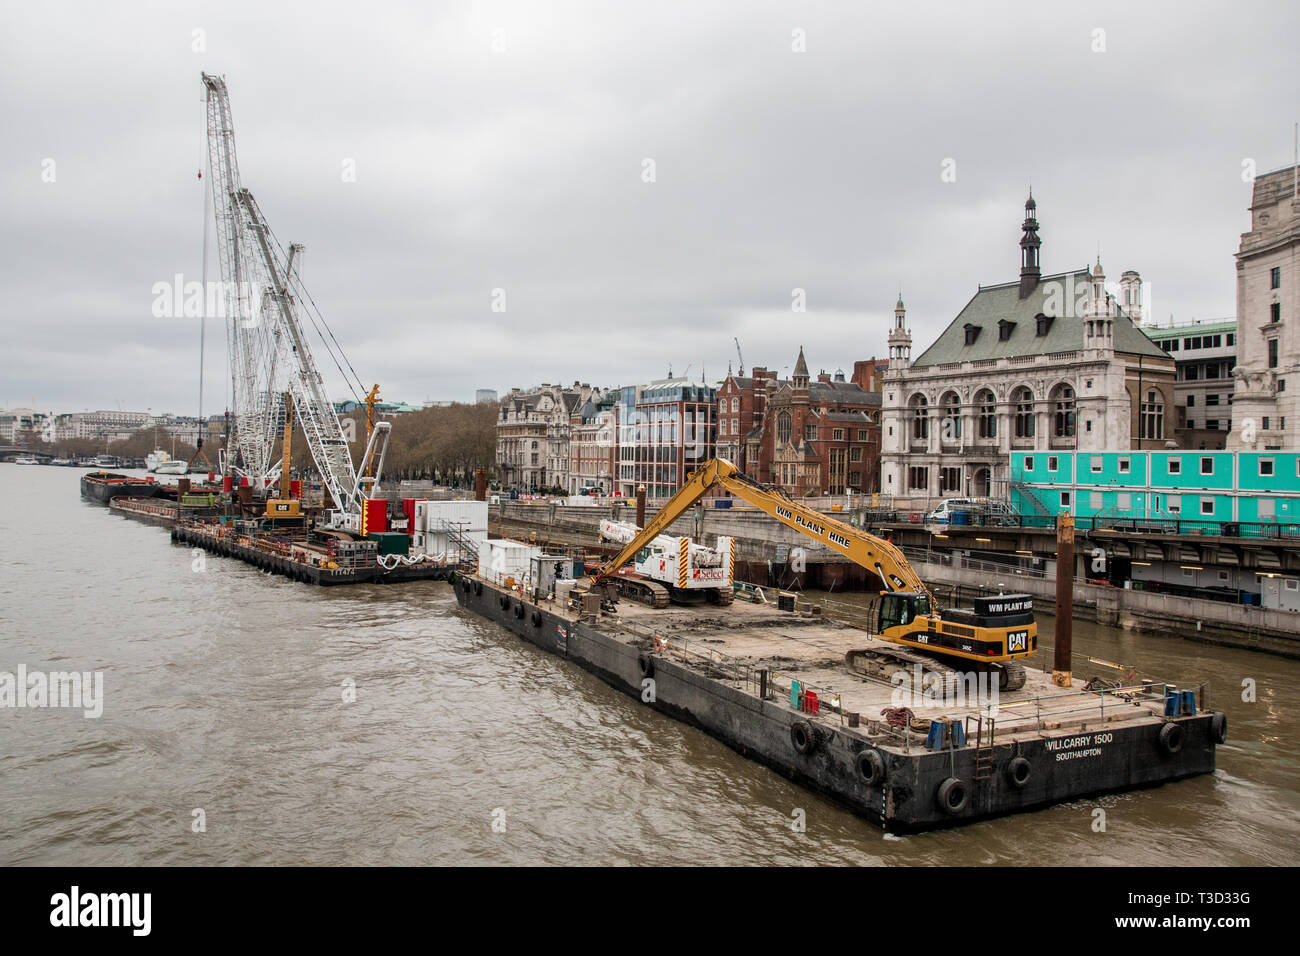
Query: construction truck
[[995, 636], [668, 568]]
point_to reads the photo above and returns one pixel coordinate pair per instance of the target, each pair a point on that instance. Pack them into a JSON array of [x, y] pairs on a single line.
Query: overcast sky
[[522, 168]]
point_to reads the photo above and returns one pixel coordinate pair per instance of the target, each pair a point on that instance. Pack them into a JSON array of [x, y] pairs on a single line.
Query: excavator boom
[[992, 636], [866, 550]]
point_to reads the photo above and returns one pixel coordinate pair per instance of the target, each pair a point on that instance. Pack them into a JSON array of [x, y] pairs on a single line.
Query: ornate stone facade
[[1035, 364]]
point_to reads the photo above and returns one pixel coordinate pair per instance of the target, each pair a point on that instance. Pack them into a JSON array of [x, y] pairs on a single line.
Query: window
[[951, 412], [1265, 467], [1063, 419], [1094, 500], [1210, 399], [1096, 464], [1124, 501], [1191, 401], [1275, 312], [1029, 463], [1232, 340], [1275, 278], [1266, 423], [949, 479], [1190, 373], [1065, 499], [862, 434], [1042, 324], [986, 410], [1004, 329], [837, 434], [918, 478], [1191, 423], [1174, 466], [1175, 506], [735, 404], [1152, 424], [1211, 369], [1207, 466], [855, 453], [972, 333], [810, 432], [784, 425], [1023, 401], [1052, 462], [920, 418], [1124, 464], [1207, 506], [1272, 353]]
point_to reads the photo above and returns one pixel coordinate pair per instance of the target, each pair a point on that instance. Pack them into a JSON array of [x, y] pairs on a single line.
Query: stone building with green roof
[[1040, 363]]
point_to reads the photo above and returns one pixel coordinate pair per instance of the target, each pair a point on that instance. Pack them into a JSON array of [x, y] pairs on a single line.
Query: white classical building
[[1040, 363], [533, 434], [1265, 406]]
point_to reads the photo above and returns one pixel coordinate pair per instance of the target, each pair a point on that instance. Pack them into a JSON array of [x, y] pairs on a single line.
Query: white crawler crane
[[269, 354]]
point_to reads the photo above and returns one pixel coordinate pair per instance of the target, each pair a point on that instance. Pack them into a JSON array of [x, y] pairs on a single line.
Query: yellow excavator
[[994, 636]]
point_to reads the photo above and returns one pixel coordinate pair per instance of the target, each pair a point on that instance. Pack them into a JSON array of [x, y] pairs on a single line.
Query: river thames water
[[224, 704]]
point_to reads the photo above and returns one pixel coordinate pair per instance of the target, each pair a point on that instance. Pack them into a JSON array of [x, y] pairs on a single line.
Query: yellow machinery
[[285, 506], [993, 636]]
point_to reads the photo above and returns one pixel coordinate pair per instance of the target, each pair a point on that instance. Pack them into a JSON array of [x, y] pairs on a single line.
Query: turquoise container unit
[[1210, 486]]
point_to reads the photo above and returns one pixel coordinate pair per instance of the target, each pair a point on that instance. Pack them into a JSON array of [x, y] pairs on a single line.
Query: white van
[[943, 513]]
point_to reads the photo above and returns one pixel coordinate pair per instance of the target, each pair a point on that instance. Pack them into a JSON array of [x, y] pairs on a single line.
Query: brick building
[[807, 436]]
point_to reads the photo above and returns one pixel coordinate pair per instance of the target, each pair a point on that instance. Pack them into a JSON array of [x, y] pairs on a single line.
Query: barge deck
[[772, 685]]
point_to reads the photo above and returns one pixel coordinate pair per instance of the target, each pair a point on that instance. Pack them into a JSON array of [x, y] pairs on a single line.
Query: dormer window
[[1042, 324], [1004, 330], [972, 333]]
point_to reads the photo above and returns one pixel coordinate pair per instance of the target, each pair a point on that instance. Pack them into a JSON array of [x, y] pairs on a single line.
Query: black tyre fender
[[452, 579], [1171, 738], [519, 610], [504, 601], [1019, 770], [1219, 727], [537, 619], [646, 665], [870, 766], [952, 796], [803, 736], [478, 588]]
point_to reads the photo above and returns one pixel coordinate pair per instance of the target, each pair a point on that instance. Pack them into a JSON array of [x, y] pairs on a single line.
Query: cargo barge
[[104, 486], [337, 562], [771, 684]]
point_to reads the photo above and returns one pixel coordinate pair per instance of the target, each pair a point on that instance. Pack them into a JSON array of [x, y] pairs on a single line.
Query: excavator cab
[[899, 608]]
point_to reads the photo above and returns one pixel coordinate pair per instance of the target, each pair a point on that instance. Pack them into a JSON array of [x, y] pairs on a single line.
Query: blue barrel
[[1171, 704], [794, 694], [934, 740], [1188, 703], [958, 731], [960, 517]]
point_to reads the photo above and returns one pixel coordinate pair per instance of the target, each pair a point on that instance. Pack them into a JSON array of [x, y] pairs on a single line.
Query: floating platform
[[732, 672], [152, 511], [301, 563]]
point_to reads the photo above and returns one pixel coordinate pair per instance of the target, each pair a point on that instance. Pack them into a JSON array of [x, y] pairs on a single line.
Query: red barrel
[[226, 483], [295, 488]]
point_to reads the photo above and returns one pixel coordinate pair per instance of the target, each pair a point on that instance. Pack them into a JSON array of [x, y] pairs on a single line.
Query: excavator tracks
[[650, 593], [882, 665]]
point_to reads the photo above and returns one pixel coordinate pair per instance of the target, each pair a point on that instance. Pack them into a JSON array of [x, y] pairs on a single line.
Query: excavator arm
[[866, 550]]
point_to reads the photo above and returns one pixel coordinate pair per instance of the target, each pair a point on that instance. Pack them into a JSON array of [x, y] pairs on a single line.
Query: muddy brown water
[[224, 692]]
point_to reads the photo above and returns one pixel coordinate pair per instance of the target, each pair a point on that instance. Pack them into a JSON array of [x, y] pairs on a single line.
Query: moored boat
[[103, 486]]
